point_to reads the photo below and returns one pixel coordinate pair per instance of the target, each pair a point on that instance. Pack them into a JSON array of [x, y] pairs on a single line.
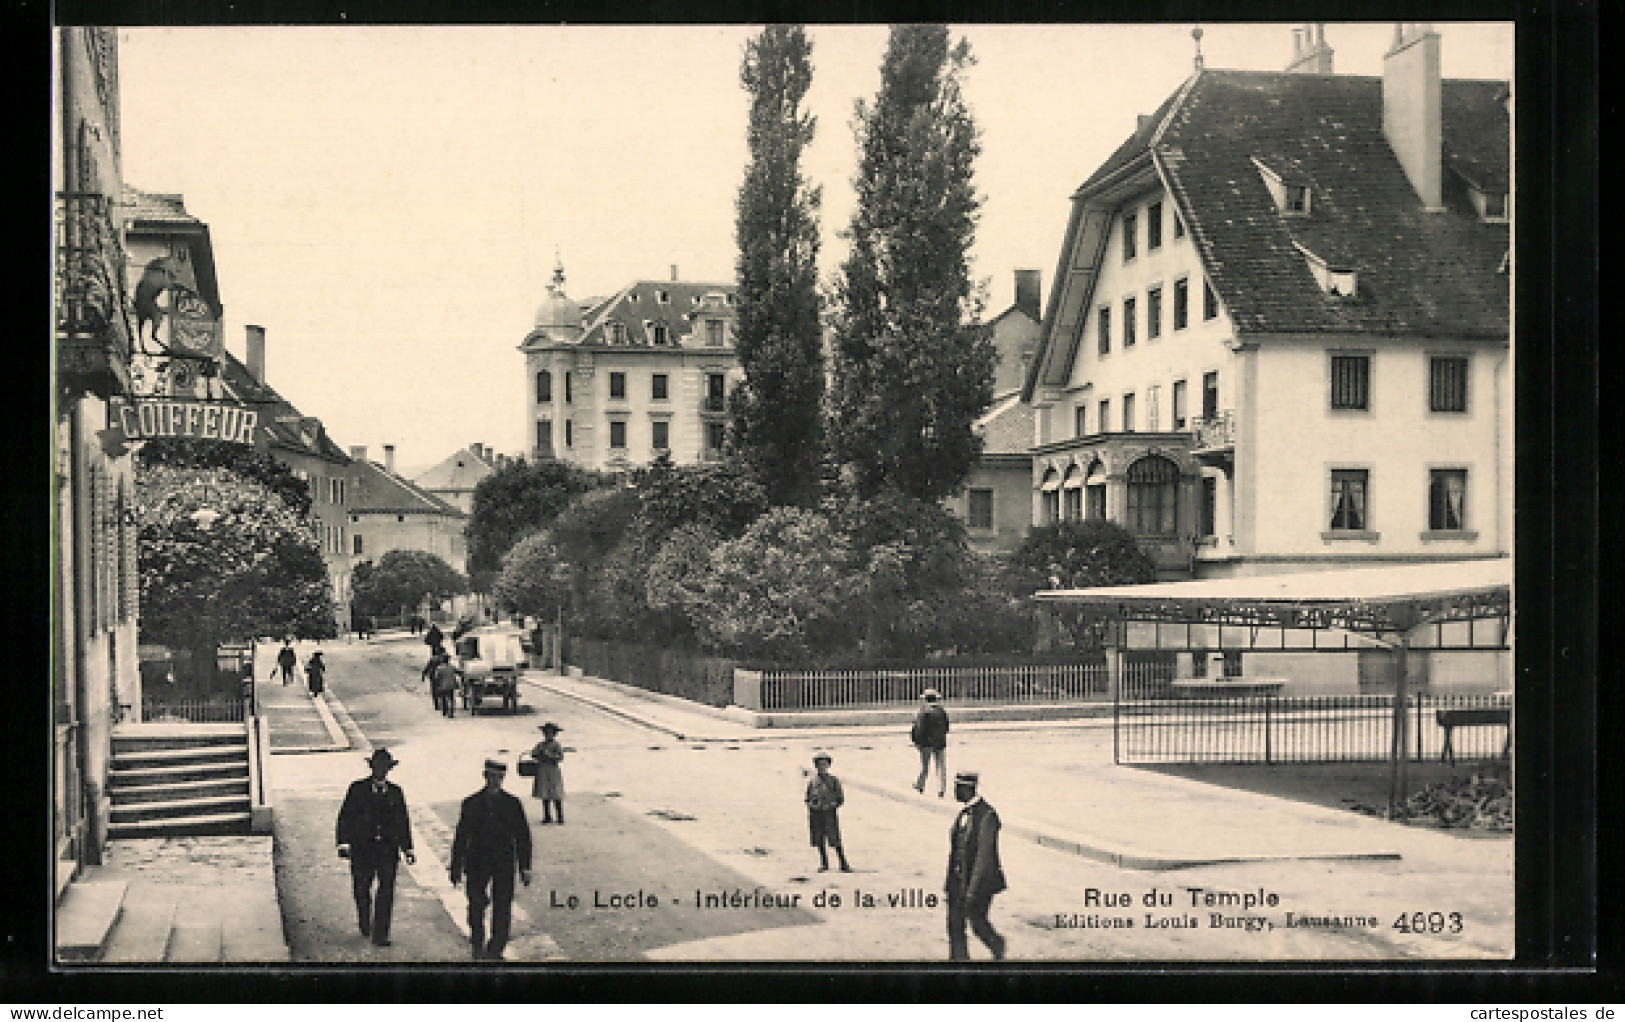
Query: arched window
[[1153, 497], [1094, 493], [1072, 495], [1051, 489]]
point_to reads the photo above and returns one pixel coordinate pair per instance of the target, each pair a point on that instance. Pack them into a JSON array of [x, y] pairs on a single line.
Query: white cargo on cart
[[489, 661]]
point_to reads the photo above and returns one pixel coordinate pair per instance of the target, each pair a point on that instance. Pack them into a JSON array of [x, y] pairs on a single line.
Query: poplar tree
[[776, 410], [913, 366]]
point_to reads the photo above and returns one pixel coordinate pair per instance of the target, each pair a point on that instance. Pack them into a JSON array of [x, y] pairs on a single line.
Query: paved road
[[673, 847]]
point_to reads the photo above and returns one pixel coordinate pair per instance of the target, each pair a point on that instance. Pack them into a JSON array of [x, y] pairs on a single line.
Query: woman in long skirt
[[549, 783]]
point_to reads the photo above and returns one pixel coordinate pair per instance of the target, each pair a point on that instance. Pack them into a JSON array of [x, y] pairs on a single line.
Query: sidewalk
[[1061, 791]]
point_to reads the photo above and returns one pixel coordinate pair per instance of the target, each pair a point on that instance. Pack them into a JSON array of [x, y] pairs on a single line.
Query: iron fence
[[193, 710], [1309, 729], [1007, 684]]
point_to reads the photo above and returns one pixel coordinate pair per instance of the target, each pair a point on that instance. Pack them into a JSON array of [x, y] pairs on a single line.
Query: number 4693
[[1429, 922]]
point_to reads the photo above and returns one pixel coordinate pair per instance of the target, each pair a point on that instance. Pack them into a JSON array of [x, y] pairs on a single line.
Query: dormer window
[[1291, 196], [1491, 206], [663, 297], [1338, 281]]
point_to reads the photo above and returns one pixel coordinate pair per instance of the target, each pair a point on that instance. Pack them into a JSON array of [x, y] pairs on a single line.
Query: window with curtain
[[1349, 499], [1153, 497], [1447, 499]]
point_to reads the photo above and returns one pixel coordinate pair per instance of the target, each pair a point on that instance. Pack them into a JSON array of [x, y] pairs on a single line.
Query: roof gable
[[380, 492], [463, 470]]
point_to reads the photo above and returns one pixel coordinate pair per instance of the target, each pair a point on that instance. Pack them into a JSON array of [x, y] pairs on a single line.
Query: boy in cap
[[824, 796], [493, 838], [373, 830]]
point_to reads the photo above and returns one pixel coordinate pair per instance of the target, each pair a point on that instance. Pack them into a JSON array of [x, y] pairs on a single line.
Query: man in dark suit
[[373, 831], [974, 874], [493, 837]]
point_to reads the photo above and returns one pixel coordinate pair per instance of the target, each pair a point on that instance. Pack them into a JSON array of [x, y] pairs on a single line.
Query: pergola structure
[[1450, 605]]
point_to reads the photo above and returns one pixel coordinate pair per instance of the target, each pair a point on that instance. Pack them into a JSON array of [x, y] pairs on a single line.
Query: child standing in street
[[824, 797], [549, 783]]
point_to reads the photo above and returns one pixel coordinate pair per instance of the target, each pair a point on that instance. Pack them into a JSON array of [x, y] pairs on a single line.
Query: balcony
[[713, 405], [1214, 435], [92, 318]]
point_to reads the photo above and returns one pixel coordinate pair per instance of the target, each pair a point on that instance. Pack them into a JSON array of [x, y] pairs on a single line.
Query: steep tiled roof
[[635, 305], [462, 471], [1419, 272], [286, 426], [156, 206], [1006, 427], [379, 492]]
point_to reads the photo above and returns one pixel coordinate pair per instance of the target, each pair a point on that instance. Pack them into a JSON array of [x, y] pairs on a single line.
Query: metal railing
[[1304, 729], [1005, 684], [1216, 432], [194, 710]]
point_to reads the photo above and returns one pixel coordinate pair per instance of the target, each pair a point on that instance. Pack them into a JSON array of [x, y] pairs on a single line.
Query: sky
[[389, 202]]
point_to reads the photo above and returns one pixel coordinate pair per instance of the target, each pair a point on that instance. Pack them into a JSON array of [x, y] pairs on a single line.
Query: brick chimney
[[1029, 285], [1310, 54], [479, 450], [673, 271], [358, 454], [1411, 98], [389, 458], [256, 353]]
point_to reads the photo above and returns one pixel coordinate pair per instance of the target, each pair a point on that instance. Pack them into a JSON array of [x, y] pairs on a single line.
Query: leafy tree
[[913, 366], [517, 499], [776, 410], [724, 497], [534, 579], [403, 579], [221, 559], [1080, 554], [189, 452], [783, 590]]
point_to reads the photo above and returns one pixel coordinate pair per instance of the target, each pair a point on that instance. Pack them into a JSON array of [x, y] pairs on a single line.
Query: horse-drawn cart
[[489, 661]]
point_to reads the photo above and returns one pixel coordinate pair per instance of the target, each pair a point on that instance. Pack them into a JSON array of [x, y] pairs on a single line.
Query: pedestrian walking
[[435, 638], [427, 675], [974, 873], [445, 686], [492, 840], [549, 783], [287, 660], [316, 673], [824, 797], [373, 832], [930, 737]]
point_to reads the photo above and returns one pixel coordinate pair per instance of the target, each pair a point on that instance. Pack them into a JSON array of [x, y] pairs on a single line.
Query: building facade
[[387, 512], [454, 479], [644, 372], [995, 503], [1279, 337], [301, 443], [95, 587]]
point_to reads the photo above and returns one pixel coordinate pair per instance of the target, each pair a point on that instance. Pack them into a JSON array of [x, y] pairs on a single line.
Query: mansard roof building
[[625, 378]]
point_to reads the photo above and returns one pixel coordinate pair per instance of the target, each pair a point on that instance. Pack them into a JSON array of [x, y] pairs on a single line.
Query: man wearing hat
[[493, 837], [930, 736], [373, 830], [974, 874]]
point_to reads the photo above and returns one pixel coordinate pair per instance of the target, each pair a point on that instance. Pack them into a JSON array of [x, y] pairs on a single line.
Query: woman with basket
[[549, 783]]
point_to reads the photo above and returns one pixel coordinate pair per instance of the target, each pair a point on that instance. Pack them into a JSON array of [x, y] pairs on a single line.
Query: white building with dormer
[[1279, 336], [617, 381]]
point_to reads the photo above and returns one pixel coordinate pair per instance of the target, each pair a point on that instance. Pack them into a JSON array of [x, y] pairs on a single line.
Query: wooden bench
[[1494, 716], [1196, 688]]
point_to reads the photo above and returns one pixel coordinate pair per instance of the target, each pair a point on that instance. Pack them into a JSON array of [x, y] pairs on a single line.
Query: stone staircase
[[179, 779], [181, 900]]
